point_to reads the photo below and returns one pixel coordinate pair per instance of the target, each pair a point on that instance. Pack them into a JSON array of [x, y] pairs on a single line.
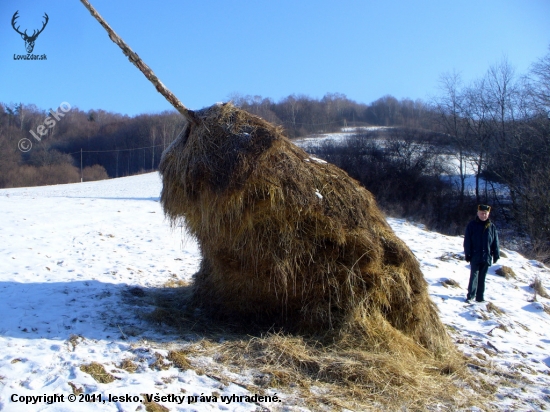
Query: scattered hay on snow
[[75, 389], [97, 371], [539, 288], [128, 365], [491, 307], [506, 272], [179, 359], [151, 406], [450, 282]]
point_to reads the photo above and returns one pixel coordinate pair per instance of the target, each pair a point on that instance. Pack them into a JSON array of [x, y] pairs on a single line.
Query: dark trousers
[[476, 286]]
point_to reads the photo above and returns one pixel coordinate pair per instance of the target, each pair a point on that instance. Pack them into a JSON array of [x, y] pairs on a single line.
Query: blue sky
[[204, 51]]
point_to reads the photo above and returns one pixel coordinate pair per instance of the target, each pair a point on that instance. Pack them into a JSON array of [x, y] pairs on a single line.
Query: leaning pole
[[144, 68]]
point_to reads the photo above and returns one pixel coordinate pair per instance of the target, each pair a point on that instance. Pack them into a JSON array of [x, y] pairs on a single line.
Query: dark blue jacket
[[481, 242]]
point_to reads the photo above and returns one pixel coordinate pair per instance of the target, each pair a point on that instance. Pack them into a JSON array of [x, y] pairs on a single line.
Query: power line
[[115, 150], [109, 151]]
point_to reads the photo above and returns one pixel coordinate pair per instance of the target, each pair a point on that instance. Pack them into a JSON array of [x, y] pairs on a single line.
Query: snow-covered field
[[71, 255]]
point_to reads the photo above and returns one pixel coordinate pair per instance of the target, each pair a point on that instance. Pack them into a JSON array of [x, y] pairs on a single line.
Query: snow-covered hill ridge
[[70, 253]]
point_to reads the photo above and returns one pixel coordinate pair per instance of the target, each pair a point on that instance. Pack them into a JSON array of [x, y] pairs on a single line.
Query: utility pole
[[81, 177]]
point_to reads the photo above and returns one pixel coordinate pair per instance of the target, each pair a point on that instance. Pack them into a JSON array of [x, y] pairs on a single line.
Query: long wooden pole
[[140, 64]]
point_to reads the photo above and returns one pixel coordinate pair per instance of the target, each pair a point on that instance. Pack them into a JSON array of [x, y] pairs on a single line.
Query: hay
[[292, 241], [450, 282], [128, 365], [98, 372], [491, 307], [179, 359], [506, 272], [75, 389], [151, 406], [349, 378], [353, 377], [539, 288]]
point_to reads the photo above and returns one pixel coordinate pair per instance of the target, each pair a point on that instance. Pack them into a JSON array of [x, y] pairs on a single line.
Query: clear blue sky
[[205, 50]]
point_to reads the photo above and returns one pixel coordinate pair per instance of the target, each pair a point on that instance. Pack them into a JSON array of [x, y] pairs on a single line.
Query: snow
[[69, 254], [470, 169], [315, 159], [336, 138]]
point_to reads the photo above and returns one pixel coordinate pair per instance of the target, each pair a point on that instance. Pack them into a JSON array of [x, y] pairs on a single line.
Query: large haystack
[[291, 240]]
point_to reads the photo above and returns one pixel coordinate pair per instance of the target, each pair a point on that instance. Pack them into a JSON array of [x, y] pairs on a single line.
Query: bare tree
[[501, 95], [539, 78], [478, 121], [451, 117], [518, 110]]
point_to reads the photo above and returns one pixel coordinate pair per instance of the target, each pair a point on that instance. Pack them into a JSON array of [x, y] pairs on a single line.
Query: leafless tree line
[[500, 124], [90, 145], [120, 145], [497, 125], [302, 115]]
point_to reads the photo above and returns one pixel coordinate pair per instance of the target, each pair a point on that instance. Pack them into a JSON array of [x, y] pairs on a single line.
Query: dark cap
[[484, 208]]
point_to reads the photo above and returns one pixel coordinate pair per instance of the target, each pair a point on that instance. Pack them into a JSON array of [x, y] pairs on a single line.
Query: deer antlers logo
[[29, 40]]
